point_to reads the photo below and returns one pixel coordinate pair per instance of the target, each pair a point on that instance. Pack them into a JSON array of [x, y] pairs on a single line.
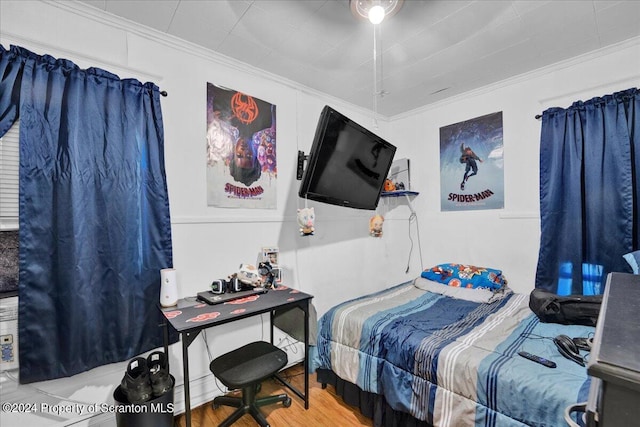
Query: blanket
[[452, 362]]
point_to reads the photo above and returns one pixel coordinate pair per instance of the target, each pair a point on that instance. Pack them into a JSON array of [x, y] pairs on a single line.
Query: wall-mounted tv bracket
[[301, 159]]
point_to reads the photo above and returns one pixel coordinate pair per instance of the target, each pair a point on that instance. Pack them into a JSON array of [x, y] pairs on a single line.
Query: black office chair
[[245, 368]]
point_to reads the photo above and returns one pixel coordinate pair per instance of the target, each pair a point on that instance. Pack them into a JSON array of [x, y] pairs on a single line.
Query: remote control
[[538, 359]]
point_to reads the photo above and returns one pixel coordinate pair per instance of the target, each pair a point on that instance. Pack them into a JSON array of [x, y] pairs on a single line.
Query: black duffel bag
[[567, 310]]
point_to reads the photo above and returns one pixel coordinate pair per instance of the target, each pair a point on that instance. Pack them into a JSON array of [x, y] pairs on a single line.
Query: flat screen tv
[[347, 164]]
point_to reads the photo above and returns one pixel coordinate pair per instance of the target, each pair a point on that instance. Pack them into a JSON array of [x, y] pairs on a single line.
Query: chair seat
[[249, 364]]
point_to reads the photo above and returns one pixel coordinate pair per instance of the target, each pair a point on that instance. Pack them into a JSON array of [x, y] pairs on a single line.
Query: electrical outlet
[[9, 353], [6, 348]]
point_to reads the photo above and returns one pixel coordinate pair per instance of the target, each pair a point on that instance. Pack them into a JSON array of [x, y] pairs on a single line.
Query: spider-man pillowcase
[[466, 276]]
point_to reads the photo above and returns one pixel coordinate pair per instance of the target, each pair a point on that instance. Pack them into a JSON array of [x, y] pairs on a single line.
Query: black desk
[[188, 318]]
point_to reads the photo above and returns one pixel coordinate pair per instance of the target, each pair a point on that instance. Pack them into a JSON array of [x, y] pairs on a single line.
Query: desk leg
[[304, 396], [165, 339], [185, 371], [306, 356], [271, 316]]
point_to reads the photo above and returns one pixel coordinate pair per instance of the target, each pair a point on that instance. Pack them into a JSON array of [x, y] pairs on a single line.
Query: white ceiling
[[431, 50]]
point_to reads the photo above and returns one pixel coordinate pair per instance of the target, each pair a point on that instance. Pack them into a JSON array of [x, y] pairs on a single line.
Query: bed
[[420, 354]]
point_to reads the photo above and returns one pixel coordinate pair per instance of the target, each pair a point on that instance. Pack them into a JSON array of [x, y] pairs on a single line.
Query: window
[[9, 179], [9, 212]]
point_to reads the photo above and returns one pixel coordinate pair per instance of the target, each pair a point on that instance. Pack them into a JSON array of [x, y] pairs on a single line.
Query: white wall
[[506, 239], [211, 242], [341, 261]]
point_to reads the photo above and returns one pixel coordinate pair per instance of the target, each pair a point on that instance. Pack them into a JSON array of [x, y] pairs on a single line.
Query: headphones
[[221, 286], [568, 349]]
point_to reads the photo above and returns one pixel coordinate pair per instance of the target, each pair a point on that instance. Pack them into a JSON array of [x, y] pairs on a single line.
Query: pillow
[[466, 276], [480, 295], [633, 258]]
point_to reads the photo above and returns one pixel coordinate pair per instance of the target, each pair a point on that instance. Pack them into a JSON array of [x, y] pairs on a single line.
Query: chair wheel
[[287, 402], [258, 387], [215, 406]]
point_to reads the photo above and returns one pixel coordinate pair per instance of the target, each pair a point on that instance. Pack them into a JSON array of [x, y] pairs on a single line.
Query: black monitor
[[347, 164]]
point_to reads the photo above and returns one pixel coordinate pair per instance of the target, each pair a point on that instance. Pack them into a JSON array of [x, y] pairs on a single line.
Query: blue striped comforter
[[452, 362]]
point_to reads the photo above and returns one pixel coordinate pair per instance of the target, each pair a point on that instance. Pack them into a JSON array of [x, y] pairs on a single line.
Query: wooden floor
[[325, 408]]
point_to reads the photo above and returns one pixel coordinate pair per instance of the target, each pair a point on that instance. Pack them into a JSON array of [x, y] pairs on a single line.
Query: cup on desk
[[168, 287]]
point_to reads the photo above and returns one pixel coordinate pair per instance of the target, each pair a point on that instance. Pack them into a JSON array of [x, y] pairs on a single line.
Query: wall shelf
[[398, 193]]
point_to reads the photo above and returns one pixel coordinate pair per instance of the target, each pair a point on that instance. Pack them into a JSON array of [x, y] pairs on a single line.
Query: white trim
[[7, 225], [211, 219], [204, 383], [520, 215], [207, 219]]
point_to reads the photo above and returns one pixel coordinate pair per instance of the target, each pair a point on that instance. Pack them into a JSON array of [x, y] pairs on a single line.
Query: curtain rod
[[164, 93], [538, 116]]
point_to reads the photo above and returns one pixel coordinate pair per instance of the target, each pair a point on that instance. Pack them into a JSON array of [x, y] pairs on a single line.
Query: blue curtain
[[94, 213], [589, 192]]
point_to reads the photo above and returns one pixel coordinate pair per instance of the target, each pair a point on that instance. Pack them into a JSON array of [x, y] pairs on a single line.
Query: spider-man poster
[[241, 150], [471, 164]]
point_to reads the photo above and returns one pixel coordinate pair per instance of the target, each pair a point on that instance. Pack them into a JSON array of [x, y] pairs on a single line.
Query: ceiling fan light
[[361, 9], [376, 14]]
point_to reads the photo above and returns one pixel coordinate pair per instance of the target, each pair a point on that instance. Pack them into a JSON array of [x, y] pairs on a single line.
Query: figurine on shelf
[[375, 225], [389, 185], [306, 218]]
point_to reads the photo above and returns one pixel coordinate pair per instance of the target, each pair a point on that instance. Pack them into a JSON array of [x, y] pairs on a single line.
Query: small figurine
[[306, 218], [375, 225], [266, 274], [389, 185], [248, 275]]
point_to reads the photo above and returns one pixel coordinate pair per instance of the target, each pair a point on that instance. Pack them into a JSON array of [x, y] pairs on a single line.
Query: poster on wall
[[471, 164], [241, 150]]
